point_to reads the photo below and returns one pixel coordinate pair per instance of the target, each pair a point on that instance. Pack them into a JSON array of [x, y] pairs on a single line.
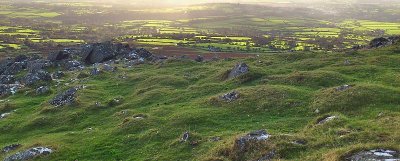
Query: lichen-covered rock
[[95, 71], [375, 155], [238, 70], [29, 154], [65, 98], [343, 88]]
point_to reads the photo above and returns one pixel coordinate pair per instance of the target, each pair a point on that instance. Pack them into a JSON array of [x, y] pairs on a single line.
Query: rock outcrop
[[29, 154], [64, 98], [238, 70]]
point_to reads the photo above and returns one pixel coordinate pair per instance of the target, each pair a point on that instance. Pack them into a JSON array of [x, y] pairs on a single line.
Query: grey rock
[[29, 154], [14, 68], [238, 70], [4, 115], [382, 41], [95, 71], [375, 155], [58, 56], [58, 75], [73, 65], [327, 119], [267, 157], [185, 137], [255, 136], [108, 68], [11, 147], [7, 89], [38, 64], [64, 98], [42, 90], [7, 79], [21, 58], [343, 88], [32, 78], [229, 97], [199, 58], [4, 64], [100, 52]]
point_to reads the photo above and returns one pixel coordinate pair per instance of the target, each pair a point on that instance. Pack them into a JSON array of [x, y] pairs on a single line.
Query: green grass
[[280, 94]]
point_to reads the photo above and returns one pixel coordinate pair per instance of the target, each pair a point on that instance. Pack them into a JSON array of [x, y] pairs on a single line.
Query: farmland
[[238, 28]]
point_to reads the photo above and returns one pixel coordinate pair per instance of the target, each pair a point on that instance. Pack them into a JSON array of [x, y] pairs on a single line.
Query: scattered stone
[[327, 119], [11, 147], [64, 98], [42, 90], [229, 97], [343, 88], [185, 136], [243, 142], [4, 115], [375, 155], [29, 154], [199, 58], [238, 70]]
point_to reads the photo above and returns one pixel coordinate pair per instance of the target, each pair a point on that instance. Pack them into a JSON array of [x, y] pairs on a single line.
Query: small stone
[[185, 136], [229, 97], [327, 119], [42, 90], [343, 88], [199, 58]]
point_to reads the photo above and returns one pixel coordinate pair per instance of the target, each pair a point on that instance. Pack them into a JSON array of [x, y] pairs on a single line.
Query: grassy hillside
[[142, 112]]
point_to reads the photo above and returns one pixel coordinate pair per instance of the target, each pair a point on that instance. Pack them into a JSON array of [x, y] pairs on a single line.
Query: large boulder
[[15, 68], [73, 65], [34, 77], [65, 98], [7, 79], [38, 64], [29, 154], [238, 70], [100, 52], [58, 56], [382, 41]]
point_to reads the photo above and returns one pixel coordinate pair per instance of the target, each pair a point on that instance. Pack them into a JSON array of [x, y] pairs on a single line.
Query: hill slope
[[142, 112]]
